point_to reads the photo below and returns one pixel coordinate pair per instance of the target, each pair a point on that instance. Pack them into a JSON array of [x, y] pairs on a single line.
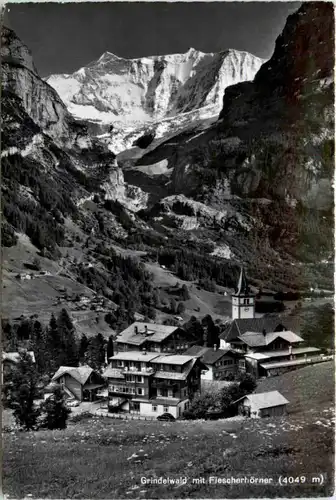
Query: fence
[[122, 416]]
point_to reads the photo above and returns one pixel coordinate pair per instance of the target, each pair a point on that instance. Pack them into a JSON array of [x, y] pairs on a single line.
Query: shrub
[[247, 383], [86, 415], [8, 236], [54, 412], [201, 404]]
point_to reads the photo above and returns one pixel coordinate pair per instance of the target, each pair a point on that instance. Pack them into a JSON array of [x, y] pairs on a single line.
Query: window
[[165, 409], [139, 379], [139, 391], [120, 364], [154, 408]]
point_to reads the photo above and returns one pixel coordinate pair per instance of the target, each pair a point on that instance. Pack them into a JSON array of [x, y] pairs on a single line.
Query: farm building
[[81, 383], [152, 337], [219, 362], [265, 404]]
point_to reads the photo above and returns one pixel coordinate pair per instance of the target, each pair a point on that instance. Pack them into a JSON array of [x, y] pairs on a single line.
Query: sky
[[65, 37]]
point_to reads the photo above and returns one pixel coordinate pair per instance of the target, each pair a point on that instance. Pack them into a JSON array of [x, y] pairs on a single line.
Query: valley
[[167, 254]]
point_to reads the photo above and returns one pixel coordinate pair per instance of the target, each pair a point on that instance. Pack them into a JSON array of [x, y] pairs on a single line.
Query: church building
[[243, 301], [266, 345]]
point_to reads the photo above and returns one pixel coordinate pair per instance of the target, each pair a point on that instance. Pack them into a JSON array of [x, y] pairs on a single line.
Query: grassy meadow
[[99, 457]]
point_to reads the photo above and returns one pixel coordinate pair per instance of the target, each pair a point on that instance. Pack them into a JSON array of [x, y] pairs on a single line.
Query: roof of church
[[240, 326], [243, 286]]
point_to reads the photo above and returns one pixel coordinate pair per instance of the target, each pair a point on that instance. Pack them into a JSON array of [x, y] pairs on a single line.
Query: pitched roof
[[241, 326], [80, 373], [258, 339], [196, 350], [265, 399], [173, 359], [113, 373], [135, 356], [14, 357], [208, 355], [155, 333], [211, 356], [281, 364], [243, 286], [283, 352], [294, 351], [256, 355]]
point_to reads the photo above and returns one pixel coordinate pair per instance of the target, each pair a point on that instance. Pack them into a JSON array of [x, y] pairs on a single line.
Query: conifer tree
[[109, 348], [96, 352], [38, 346], [54, 410], [52, 345], [66, 332], [22, 391], [83, 346]]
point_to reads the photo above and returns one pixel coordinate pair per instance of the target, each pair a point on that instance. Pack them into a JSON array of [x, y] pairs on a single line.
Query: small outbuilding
[[264, 404]]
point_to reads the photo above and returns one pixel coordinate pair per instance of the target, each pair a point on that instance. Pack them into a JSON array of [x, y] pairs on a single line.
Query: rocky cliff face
[[271, 154], [39, 100], [115, 188], [37, 125], [285, 118], [39, 135], [113, 89]]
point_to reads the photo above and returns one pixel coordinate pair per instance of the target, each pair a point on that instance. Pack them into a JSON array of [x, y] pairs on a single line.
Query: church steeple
[[243, 286], [243, 301]]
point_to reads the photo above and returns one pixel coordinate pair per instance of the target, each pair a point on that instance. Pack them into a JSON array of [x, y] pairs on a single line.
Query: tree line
[[56, 344]]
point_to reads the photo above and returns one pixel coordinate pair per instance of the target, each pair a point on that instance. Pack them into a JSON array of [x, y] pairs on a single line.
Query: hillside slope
[[297, 445]]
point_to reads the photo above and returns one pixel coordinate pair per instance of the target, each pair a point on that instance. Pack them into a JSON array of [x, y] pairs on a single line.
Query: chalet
[[265, 404], [267, 345], [152, 337], [220, 363], [81, 383], [150, 384]]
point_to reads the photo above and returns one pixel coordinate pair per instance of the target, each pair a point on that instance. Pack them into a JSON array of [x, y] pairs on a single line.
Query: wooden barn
[[265, 404]]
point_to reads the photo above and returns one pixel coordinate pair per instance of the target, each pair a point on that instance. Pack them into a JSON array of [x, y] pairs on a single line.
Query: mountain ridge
[[157, 86]]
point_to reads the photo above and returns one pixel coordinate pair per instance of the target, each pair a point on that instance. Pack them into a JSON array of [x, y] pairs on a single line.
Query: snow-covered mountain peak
[[147, 89]]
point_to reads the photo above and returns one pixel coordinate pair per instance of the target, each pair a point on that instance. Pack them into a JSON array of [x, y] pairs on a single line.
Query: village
[[159, 371]]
